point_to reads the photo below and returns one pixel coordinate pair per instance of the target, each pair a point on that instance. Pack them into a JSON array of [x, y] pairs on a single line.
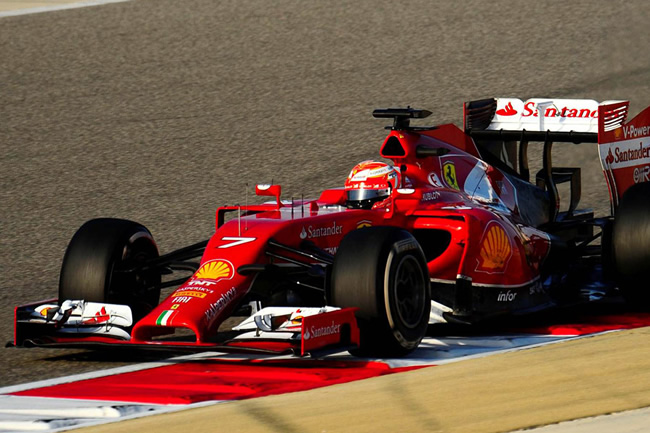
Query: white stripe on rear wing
[[543, 114]]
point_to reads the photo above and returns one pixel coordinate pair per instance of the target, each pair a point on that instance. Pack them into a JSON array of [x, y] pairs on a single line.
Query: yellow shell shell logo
[[495, 250], [364, 223], [215, 270], [618, 132]]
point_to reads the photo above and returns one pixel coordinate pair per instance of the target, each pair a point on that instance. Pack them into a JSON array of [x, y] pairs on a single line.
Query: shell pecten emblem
[[618, 133], [364, 223], [215, 270], [495, 250]]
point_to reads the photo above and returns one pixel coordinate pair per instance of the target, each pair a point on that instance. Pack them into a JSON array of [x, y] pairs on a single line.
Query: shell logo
[[364, 223], [495, 250], [215, 270]]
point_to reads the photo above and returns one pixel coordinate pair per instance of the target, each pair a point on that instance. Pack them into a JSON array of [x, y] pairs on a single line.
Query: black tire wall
[[382, 271], [98, 251]]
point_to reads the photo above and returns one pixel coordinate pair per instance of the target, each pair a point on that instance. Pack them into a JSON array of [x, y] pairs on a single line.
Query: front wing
[[272, 330]]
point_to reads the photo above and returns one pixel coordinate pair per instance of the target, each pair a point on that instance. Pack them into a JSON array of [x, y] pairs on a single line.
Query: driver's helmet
[[370, 182]]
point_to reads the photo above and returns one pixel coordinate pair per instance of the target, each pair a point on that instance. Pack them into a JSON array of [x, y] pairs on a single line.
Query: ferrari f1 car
[[456, 229]]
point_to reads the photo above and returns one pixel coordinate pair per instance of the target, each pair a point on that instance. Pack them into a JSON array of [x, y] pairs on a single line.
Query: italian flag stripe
[[164, 318]]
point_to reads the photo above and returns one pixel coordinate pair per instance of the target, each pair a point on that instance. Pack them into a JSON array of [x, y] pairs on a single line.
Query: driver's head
[[370, 182]]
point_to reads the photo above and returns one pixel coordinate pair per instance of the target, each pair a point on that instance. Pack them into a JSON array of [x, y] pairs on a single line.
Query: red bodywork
[[477, 238], [495, 241]]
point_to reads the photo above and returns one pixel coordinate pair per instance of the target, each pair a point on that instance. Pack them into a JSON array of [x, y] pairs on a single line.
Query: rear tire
[[631, 244], [96, 257], [383, 272]]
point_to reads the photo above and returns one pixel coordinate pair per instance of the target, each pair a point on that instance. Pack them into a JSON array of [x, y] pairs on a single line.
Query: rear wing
[[502, 128], [624, 148], [538, 119]]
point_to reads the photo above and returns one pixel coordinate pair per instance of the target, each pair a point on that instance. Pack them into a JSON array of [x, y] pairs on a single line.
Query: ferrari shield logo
[[449, 173]]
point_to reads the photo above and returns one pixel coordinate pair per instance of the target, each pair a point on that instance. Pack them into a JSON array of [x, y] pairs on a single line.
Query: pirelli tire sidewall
[[405, 271], [382, 271], [630, 244]]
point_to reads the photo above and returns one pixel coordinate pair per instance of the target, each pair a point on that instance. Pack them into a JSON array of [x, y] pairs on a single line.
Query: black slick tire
[[382, 271], [630, 245], [102, 262]]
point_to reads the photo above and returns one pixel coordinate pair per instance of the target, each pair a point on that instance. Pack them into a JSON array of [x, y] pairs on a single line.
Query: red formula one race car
[[453, 230]]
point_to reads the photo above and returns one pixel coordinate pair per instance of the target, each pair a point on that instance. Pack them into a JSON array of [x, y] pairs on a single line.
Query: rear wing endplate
[[624, 148]]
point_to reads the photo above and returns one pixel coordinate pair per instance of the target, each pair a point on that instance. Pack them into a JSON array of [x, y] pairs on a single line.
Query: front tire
[[383, 272], [102, 262]]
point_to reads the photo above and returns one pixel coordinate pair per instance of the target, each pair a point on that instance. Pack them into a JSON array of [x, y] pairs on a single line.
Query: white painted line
[[59, 7], [32, 414], [432, 351], [54, 414]]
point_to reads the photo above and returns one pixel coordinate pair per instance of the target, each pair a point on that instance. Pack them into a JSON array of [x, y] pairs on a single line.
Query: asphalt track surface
[[159, 111]]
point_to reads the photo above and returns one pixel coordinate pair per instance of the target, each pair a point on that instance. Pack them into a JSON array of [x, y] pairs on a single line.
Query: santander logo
[[561, 108], [554, 111], [542, 114], [507, 110], [100, 317], [531, 109]]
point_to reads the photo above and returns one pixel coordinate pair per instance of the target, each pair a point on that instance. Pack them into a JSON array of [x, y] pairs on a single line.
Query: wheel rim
[[140, 283], [409, 289]]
